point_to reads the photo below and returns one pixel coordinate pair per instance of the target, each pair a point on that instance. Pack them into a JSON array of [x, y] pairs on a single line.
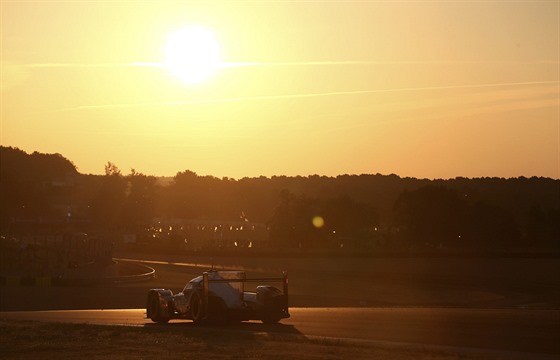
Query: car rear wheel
[[155, 311]]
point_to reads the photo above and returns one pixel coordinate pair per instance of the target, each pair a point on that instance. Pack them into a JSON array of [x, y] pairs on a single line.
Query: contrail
[[226, 65], [94, 65], [378, 62], [303, 96], [75, 65], [223, 65]]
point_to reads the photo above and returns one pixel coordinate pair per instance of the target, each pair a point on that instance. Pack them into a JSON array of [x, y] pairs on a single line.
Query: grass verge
[[38, 340]]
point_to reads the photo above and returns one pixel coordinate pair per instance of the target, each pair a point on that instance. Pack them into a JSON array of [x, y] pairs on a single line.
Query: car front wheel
[[197, 308]]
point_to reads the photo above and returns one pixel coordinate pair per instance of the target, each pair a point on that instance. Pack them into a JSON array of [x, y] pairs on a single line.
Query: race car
[[221, 296]]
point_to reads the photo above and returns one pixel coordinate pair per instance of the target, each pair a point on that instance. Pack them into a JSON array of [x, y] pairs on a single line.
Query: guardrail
[[145, 273]]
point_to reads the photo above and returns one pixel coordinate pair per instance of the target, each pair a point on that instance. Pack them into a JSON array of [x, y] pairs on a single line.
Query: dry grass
[[35, 340]]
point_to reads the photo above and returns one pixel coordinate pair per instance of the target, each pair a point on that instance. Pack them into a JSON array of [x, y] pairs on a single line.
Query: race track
[[508, 331], [533, 333]]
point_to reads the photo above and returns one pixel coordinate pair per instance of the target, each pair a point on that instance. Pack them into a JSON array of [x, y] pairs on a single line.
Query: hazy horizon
[[126, 172], [420, 89]]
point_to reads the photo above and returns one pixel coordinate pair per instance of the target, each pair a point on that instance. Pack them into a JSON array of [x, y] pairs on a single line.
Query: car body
[[221, 296]]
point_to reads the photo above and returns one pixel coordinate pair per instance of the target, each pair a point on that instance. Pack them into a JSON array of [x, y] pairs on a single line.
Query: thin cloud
[[75, 65], [385, 62], [287, 63], [302, 96]]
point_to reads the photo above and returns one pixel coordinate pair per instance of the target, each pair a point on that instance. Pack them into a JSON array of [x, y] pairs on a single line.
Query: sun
[[192, 54]]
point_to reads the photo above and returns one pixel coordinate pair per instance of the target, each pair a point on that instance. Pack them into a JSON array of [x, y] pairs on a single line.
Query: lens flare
[[318, 222]]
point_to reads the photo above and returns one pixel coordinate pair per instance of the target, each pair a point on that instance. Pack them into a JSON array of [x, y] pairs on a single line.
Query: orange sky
[[433, 89]]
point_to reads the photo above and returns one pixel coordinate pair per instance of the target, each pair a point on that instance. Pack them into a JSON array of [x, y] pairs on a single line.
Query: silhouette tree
[[26, 183], [431, 216], [185, 195], [461, 212], [108, 203], [301, 221], [292, 222], [543, 227], [350, 220], [139, 204], [490, 227]]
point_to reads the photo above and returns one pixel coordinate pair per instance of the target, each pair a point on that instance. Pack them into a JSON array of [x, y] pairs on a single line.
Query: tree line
[[307, 212]]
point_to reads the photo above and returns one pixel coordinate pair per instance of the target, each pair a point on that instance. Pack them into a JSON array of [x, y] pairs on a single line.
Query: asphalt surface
[[529, 333]]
